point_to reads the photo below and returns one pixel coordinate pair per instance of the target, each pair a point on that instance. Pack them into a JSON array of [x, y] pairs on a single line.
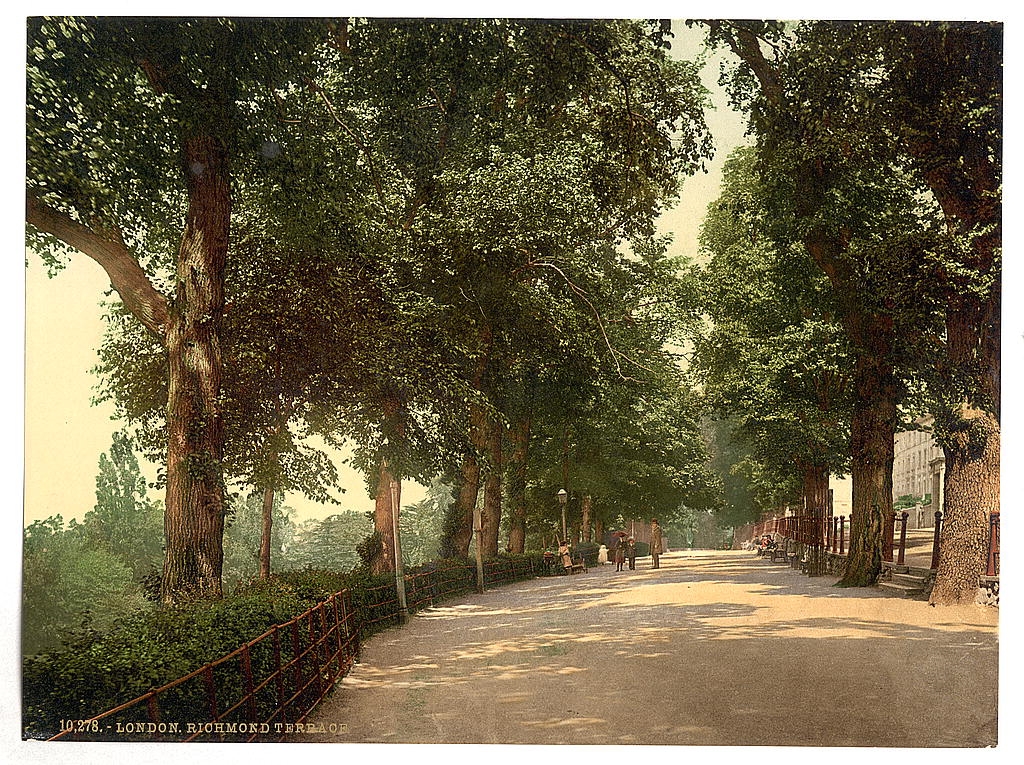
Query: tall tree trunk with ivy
[[194, 505], [971, 443]]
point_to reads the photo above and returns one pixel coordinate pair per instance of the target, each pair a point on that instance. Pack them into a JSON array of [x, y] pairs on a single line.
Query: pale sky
[[65, 435]]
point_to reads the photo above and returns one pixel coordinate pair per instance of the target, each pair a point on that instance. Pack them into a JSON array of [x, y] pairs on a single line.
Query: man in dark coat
[[657, 548]]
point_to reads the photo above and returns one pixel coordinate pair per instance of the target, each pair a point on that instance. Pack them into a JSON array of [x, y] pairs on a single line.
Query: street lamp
[[563, 496], [403, 609]]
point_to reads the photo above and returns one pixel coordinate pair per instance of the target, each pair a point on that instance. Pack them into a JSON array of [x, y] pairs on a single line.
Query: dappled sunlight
[[564, 662], [562, 722], [447, 612]]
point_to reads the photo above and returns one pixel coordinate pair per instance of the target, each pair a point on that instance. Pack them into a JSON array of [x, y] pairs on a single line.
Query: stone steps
[[907, 582]]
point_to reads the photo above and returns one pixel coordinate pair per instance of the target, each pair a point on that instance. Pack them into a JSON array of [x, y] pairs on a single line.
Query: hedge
[[95, 671]]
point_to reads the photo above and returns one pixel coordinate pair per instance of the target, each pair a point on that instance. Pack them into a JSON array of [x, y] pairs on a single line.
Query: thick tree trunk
[[971, 495], [871, 440], [267, 529], [520, 438], [971, 445], [458, 526], [491, 512], [194, 503], [385, 506]]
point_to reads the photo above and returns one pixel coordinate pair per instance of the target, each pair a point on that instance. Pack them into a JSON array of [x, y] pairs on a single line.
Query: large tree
[[773, 357], [135, 130], [862, 214]]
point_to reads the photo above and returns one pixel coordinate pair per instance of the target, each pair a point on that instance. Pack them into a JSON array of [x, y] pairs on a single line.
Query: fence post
[[279, 680], [890, 532], [211, 692], [842, 535], [325, 632], [935, 539], [835, 534], [314, 650], [903, 538], [152, 708], [992, 569], [250, 704], [296, 658]]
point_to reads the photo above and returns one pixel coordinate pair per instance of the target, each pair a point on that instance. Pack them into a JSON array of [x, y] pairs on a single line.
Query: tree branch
[[126, 275]]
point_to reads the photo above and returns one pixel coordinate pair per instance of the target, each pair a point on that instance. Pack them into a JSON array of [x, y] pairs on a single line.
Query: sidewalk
[[674, 656]]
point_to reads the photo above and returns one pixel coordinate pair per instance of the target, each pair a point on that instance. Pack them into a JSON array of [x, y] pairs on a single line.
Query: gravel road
[[714, 648]]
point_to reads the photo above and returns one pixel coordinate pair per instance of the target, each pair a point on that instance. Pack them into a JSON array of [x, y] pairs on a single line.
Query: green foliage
[[333, 543], [91, 573], [124, 521], [67, 584], [421, 524], [773, 356], [97, 670], [243, 534]]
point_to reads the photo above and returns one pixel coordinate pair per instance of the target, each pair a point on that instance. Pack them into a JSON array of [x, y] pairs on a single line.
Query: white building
[[917, 461], [918, 470]]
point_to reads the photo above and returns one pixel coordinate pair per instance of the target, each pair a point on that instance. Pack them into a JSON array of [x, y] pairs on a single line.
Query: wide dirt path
[[715, 648]]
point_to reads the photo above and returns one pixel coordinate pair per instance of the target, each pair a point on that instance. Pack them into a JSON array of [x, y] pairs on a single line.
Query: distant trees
[[90, 573]]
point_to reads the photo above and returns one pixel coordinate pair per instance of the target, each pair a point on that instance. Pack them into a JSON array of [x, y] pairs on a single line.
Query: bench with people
[[769, 548], [573, 564]]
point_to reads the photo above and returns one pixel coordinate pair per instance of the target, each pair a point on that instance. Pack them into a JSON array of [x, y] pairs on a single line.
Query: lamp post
[[478, 531], [403, 610], [563, 497]]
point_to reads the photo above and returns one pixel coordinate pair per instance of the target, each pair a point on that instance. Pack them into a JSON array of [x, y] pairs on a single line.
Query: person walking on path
[[565, 555], [631, 553], [656, 545], [620, 554]]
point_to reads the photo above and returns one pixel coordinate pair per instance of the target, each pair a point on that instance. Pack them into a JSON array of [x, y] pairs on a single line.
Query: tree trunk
[[971, 495], [585, 522], [491, 512], [815, 498], [971, 444], [194, 502], [520, 438], [384, 510], [871, 442], [458, 526], [267, 530]]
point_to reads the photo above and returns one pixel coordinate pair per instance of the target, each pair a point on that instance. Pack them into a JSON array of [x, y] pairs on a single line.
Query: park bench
[[781, 553], [578, 564]]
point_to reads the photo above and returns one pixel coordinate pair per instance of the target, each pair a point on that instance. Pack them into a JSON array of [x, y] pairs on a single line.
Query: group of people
[[764, 545], [625, 550]]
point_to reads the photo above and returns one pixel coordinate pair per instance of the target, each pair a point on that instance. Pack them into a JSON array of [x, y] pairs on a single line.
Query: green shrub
[[589, 551], [95, 671]]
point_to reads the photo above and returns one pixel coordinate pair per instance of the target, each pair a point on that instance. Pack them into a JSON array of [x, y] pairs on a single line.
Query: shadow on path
[[675, 656]]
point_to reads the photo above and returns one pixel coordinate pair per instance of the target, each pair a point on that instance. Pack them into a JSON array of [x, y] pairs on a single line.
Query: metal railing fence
[[269, 685]]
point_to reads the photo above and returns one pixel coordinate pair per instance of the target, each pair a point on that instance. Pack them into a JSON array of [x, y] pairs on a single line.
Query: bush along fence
[[115, 687]]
